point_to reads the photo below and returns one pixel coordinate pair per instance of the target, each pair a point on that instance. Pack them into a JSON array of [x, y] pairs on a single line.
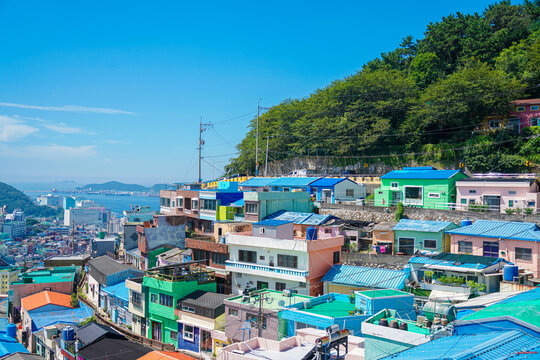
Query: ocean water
[[116, 204]]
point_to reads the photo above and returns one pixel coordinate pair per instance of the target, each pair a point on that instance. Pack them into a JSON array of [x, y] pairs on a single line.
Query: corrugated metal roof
[[118, 290], [422, 225], [500, 229], [324, 182], [272, 222], [68, 316], [367, 276], [487, 346], [300, 217], [420, 173], [293, 181], [457, 260], [10, 345], [257, 181]]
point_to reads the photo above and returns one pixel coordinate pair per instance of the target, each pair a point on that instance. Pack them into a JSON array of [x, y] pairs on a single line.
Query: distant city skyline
[[102, 91]]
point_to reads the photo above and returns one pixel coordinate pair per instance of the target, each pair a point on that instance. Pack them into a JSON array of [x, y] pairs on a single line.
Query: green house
[[423, 187], [422, 235], [166, 285]]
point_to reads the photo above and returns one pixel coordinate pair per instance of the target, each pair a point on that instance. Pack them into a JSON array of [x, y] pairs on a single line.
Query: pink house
[[498, 194], [516, 242], [526, 111]]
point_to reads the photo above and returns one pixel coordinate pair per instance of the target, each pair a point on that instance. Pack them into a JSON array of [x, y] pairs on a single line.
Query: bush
[[528, 211], [74, 302], [399, 212], [509, 211]]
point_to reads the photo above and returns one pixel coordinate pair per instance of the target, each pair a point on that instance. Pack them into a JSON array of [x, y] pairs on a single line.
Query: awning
[[237, 203], [447, 296]]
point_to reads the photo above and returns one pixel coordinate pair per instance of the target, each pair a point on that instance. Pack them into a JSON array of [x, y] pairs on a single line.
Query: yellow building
[[8, 274]]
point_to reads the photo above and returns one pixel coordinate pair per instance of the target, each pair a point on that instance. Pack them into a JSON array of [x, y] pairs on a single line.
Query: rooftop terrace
[[50, 275], [272, 297]]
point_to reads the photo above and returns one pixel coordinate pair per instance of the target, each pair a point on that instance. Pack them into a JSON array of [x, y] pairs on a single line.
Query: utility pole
[[257, 140], [266, 161], [261, 315], [202, 127]]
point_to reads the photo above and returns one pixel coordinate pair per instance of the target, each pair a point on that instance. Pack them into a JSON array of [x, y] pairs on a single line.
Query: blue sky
[[113, 90]]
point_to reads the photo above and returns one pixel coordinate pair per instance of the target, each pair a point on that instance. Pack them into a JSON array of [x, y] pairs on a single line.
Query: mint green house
[[422, 235], [166, 285], [423, 187]]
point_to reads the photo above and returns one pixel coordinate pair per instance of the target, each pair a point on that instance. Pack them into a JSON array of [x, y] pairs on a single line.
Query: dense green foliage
[[15, 199], [421, 103]]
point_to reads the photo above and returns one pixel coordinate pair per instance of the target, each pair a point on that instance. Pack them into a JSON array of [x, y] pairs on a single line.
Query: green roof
[[389, 315], [526, 311], [331, 309], [50, 275], [381, 293], [273, 297]]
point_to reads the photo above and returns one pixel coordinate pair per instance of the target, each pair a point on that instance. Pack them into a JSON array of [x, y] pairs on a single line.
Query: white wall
[[93, 297], [240, 281], [303, 259]]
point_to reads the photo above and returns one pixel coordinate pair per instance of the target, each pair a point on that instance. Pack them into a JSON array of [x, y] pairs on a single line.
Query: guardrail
[[273, 269]]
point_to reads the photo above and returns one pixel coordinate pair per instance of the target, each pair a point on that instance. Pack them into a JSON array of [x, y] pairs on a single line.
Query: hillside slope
[[15, 199]]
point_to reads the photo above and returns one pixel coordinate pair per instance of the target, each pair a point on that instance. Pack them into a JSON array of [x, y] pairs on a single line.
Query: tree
[[425, 69], [74, 302]]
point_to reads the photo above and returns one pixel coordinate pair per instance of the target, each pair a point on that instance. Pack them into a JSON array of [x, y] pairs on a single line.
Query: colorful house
[[383, 237], [215, 203], [498, 194], [166, 285], [138, 305], [423, 187], [337, 190], [259, 205], [523, 113], [516, 242], [422, 235]]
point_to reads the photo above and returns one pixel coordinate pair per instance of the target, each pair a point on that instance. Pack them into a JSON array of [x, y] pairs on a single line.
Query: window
[[434, 196], [349, 192], [218, 258], [172, 203], [199, 254], [511, 193], [166, 300], [535, 107], [534, 121], [261, 230], [524, 254], [251, 208], [493, 124], [510, 203], [413, 193], [472, 201], [255, 318], [165, 202], [463, 201], [179, 202], [136, 299], [465, 247], [195, 204], [520, 108], [472, 191], [430, 244], [208, 204], [188, 309], [154, 298], [233, 312], [174, 335], [336, 258], [394, 185], [262, 285], [380, 192], [247, 256], [188, 332], [280, 286], [288, 261], [301, 285], [286, 189], [491, 249], [261, 257]]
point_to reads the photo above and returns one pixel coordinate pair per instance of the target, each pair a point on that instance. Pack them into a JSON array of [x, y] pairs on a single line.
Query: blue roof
[[487, 346], [67, 316], [457, 260], [530, 295], [9, 345], [293, 181], [272, 222], [500, 229], [422, 225], [367, 276], [300, 217], [327, 182], [237, 203], [257, 181], [427, 173], [118, 290]]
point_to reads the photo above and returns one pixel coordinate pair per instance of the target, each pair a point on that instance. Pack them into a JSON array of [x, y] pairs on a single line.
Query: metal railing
[[272, 269]]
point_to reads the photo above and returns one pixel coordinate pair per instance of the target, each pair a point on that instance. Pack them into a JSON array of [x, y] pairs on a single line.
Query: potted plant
[[428, 276]]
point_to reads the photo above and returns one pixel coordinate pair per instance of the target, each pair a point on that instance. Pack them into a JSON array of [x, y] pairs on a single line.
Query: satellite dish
[[281, 303]]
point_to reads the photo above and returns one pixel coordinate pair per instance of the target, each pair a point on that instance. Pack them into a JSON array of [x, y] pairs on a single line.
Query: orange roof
[[526, 102], [45, 298], [165, 355]]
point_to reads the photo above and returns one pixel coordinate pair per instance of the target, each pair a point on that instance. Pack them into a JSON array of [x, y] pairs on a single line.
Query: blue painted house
[[116, 298], [337, 190], [210, 201], [422, 235]]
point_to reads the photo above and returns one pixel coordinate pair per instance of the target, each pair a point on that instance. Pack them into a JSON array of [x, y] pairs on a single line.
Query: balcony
[[266, 271]]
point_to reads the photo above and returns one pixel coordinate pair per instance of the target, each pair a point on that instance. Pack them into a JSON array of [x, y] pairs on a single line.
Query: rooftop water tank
[[311, 233], [68, 333], [11, 330], [433, 309], [102, 234], [510, 272], [466, 222]]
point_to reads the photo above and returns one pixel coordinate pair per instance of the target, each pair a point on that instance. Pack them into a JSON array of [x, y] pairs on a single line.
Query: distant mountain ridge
[[118, 186]]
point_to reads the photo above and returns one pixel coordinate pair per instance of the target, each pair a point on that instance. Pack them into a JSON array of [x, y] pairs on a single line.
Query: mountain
[[158, 187], [424, 103], [14, 199], [113, 186]]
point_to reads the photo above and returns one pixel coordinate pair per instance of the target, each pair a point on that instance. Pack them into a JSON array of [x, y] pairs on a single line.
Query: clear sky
[[113, 90]]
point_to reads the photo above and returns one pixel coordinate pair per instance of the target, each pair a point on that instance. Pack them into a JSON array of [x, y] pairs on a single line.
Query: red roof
[[45, 298], [165, 355], [526, 102]]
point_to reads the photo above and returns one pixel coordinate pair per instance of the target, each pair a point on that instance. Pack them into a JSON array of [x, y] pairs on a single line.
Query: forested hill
[[422, 102], [15, 199]]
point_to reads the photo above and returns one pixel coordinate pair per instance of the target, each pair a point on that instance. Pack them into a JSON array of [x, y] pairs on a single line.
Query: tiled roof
[[500, 229], [420, 173], [272, 222], [367, 276], [165, 355], [323, 182], [293, 181], [422, 225], [257, 181], [43, 298], [300, 217], [494, 345]]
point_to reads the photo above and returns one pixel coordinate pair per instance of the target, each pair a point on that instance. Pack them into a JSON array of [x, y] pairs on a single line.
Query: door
[[406, 245], [156, 331], [493, 202], [326, 196], [396, 197], [206, 341], [143, 326]]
